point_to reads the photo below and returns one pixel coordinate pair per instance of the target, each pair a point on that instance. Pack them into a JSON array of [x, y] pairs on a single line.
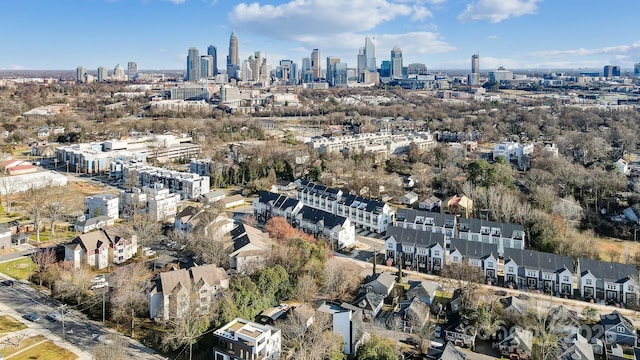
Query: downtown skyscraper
[[213, 52], [233, 59], [370, 55], [396, 62], [316, 67], [474, 77], [193, 64]]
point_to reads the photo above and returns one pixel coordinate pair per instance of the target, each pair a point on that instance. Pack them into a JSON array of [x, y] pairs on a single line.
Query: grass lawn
[[9, 324], [46, 351], [17, 269], [25, 343]]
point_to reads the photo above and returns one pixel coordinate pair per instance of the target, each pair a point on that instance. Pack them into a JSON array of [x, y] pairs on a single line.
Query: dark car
[[523, 297], [32, 317], [501, 293], [7, 283]]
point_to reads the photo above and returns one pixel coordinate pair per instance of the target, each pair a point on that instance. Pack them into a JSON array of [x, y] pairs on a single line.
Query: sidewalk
[[34, 329]]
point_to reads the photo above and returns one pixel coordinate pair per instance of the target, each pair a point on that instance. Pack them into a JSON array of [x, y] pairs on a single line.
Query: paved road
[[24, 299]]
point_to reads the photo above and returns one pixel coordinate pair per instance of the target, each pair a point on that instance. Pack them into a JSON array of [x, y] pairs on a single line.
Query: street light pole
[[62, 307]]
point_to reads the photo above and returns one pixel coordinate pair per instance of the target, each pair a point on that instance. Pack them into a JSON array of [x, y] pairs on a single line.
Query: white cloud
[[496, 11], [420, 13], [299, 18], [588, 52], [177, 2], [493, 37]]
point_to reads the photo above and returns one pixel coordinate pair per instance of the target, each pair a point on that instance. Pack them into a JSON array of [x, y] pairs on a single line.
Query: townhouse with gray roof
[[607, 281], [506, 236], [365, 213], [269, 204], [535, 270], [427, 221], [482, 255], [339, 230], [418, 250]]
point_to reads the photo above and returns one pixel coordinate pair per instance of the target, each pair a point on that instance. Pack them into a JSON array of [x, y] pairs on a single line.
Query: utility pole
[[103, 306], [62, 307]]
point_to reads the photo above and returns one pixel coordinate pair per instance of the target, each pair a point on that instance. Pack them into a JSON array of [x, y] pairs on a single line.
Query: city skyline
[[516, 34]]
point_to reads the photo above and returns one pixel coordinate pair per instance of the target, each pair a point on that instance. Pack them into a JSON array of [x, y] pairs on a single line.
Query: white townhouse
[[365, 213], [346, 321], [269, 204], [535, 270], [482, 255], [505, 236], [318, 196], [418, 250], [369, 214], [339, 230], [607, 281], [427, 221]]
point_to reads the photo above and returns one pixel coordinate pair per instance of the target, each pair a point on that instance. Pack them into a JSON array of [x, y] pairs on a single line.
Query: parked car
[[32, 317], [501, 293], [100, 285], [438, 332], [7, 283], [104, 339], [523, 297], [54, 317], [99, 278]]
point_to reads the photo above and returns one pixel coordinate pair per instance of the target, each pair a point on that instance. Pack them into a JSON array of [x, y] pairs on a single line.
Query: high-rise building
[[102, 73], [362, 62], [636, 70], [233, 59], [206, 66], [132, 70], [370, 54], [385, 69], [337, 73], [475, 64], [316, 68], [118, 74], [607, 71], [81, 71], [193, 64], [615, 71], [417, 69], [474, 77], [330, 61], [213, 52], [305, 70], [287, 71], [396, 62]]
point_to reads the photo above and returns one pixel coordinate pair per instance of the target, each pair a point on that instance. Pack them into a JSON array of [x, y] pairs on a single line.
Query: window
[[510, 269], [436, 253], [620, 329], [588, 281], [455, 258], [490, 264], [565, 279]]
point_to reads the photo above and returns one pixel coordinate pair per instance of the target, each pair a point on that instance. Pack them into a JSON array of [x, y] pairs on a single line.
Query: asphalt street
[[78, 330]]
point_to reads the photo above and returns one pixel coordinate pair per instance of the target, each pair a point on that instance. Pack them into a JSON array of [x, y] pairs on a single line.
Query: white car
[[100, 278], [104, 339], [149, 253], [100, 285]]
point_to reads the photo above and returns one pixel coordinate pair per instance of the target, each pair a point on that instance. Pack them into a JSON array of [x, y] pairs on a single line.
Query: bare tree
[[306, 288], [466, 278], [9, 187], [340, 279], [72, 283], [128, 297], [114, 348], [186, 329], [313, 341], [145, 228], [57, 205], [37, 200], [43, 259]]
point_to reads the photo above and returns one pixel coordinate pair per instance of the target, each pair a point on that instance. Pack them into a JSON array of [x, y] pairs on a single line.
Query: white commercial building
[[187, 185], [162, 205]]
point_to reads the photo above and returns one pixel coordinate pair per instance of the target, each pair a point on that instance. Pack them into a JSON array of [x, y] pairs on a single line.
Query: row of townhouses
[[523, 269], [365, 213], [504, 236], [339, 230], [187, 185]]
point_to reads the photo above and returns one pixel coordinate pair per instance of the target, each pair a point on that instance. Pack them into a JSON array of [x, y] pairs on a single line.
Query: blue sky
[[443, 34]]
